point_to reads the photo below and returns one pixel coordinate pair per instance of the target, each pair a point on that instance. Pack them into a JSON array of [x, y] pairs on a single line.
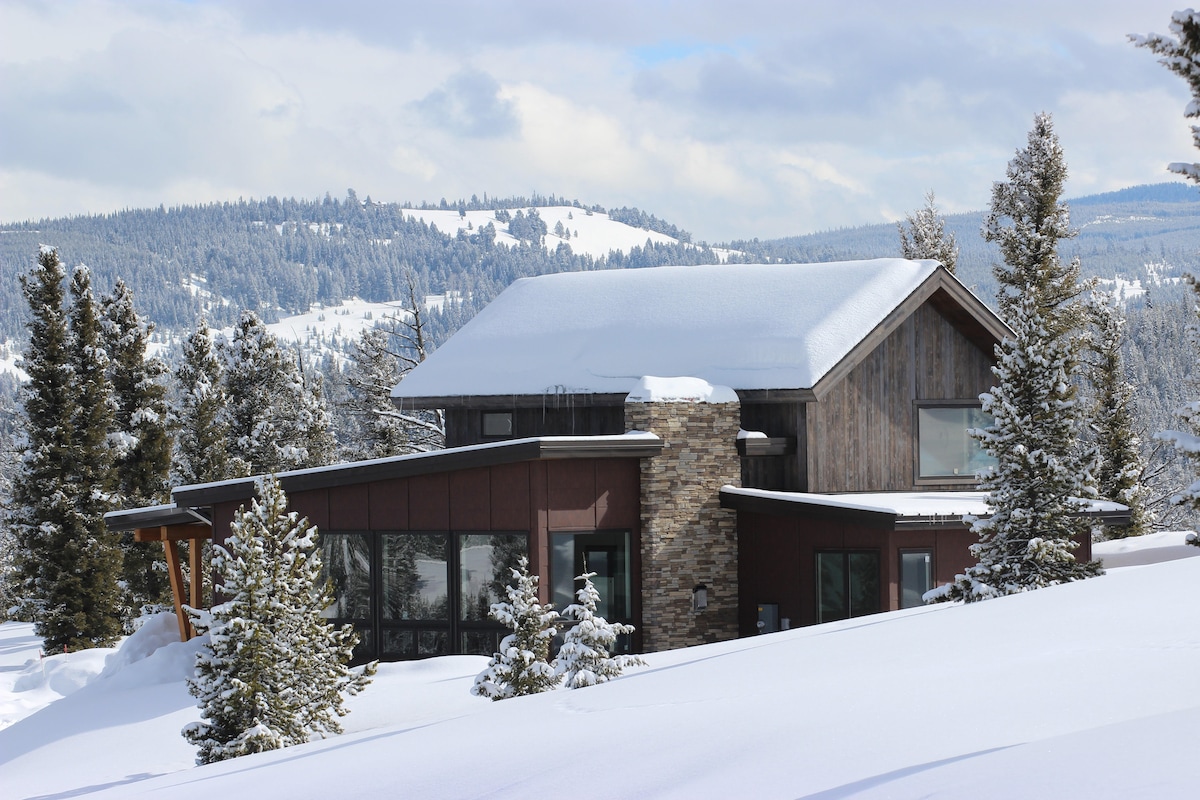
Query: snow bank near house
[[1152, 548], [846, 709]]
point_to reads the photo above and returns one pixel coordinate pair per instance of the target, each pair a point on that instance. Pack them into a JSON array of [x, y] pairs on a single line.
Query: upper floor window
[[945, 449], [496, 424]]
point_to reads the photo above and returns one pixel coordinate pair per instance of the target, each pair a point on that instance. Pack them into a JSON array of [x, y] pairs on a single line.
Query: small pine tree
[[272, 673], [522, 666], [925, 236], [1121, 465], [585, 657], [1181, 55]]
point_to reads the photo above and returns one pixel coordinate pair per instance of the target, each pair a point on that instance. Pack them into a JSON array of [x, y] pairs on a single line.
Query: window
[[847, 584], [416, 594], [916, 576], [605, 553], [496, 424], [944, 448]]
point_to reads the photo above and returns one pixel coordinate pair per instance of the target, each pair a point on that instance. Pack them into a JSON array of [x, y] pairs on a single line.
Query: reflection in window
[[945, 449], [847, 584], [916, 576], [485, 564], [413, 575], [346, 559], [605, 553]]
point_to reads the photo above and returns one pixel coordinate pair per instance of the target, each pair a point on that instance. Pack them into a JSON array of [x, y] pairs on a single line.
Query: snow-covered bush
[[273, 671], [585, 658], [522, 665]]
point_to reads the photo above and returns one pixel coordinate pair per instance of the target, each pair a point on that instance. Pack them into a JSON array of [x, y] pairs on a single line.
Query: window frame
[[446, 634], [900, 553], [485, 416], [845, 553], [968, 479]]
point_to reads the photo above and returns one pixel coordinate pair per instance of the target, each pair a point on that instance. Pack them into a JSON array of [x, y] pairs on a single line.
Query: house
[[733, 449]]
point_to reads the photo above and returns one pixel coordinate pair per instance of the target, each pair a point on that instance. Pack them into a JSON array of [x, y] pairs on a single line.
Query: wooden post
[[196, 567], [175, 570]]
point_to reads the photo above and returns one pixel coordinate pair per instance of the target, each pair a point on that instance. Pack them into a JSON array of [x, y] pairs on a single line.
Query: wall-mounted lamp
[[699, 597]]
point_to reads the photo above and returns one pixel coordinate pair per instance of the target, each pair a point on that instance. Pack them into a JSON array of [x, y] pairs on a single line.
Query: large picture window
[[417, 594], [945, 449], [847, 584]]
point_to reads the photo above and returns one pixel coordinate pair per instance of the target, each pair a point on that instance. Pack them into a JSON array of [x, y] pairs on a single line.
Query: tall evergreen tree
[[1121, 465], [141, 440], [377, 429], [68, 564], [585, 657], [1186, 441], [923, 235], [201, 412], [1181, 55], [522, 665], [1042, 475], [273, 671]]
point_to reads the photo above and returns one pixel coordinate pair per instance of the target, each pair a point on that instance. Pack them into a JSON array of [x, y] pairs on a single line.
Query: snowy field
[[1080, 691]]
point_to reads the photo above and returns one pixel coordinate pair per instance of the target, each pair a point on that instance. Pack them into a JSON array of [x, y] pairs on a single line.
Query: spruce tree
[[200, 412], [273, 671], [141, 439], [1042, 476], [376, 424], [1186, 440], [522, 665], [585, 657], [67, 563], [277, 420], [1181, 55], [1121, 465], [925, 236]]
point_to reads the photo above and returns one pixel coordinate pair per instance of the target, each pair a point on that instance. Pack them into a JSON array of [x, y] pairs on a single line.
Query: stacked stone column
[[687, 538]]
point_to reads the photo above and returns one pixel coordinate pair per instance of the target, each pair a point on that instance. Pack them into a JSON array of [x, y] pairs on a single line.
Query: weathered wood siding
[[781, 473], [862, 434]]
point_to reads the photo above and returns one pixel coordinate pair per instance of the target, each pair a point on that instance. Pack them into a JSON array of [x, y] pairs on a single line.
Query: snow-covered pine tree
[[1186, 440], [1181, 55], [277, 420], [378, 429], [522, 666], [141, 440], [273, 671], [1042, 474], [923, 235], [1120, 464], [67, 563], [200, 411], [585, 657]]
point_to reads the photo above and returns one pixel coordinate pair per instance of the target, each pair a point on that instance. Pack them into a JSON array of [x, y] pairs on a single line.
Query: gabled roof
[[752, 327]]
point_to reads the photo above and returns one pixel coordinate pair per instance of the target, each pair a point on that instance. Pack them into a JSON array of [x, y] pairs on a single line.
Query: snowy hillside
[[590, 233], [1085, 690]]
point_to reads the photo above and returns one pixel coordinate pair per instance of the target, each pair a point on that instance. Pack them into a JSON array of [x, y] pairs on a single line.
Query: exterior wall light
[[699, 597]]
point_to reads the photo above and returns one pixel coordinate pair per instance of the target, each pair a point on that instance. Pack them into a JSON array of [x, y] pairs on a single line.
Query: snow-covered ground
[[1085, 690]]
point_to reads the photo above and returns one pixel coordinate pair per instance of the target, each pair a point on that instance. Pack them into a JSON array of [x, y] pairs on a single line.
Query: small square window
[[497, 424]]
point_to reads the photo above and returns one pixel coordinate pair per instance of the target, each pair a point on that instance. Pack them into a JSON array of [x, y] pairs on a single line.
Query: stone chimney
[[687, 539]]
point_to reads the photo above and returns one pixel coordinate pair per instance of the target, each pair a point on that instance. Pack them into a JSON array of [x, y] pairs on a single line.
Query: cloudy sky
[[730, 119]]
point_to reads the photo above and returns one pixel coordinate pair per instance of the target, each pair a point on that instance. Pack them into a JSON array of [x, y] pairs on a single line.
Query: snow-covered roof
[[652, 389], [924, 506], [746, 326]]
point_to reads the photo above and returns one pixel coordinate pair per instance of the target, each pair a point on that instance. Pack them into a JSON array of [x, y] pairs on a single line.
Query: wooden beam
[[175, 572], [173, 533], [196, 567]]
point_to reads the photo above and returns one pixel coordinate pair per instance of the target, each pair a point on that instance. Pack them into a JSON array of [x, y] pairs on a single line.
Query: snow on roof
[[747, 326], [939, 505], [679, 390]]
